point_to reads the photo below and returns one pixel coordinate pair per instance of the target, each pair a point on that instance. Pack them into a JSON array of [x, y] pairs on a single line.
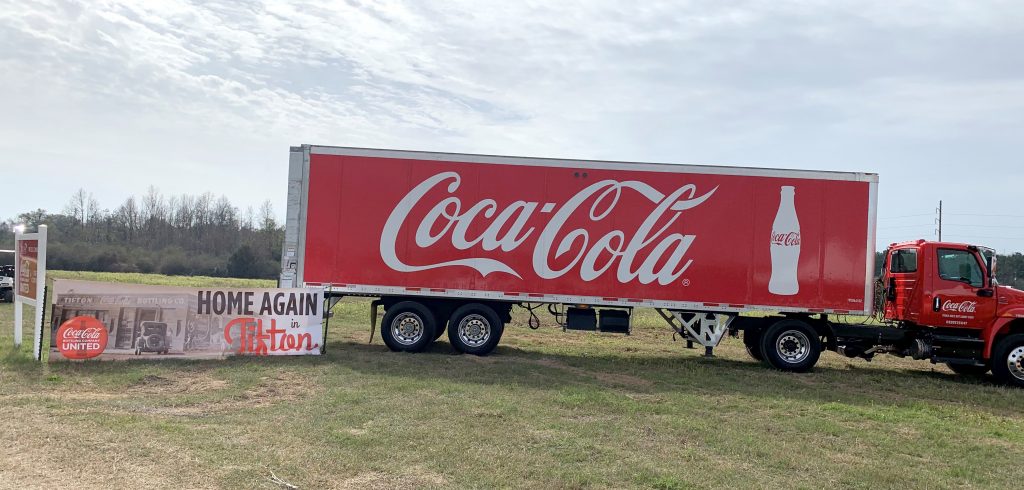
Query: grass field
[[548, 409]]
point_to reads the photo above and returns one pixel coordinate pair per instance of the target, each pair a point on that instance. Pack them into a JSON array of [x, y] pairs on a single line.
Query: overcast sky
[[208, 96]]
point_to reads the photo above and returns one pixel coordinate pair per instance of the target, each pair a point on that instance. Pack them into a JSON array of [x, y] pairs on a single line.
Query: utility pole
[[940, 219]]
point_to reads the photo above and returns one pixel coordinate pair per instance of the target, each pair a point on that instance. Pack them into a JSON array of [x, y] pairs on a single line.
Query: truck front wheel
[[791, 345], [408, 326], [475, 329], [8, 295], [1008, 361]]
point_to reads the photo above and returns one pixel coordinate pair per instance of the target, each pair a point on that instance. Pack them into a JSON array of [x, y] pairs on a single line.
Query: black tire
[[439, 330], [408, 326], [8, 295], [475, 328], [752, 341], [967, 369], [791, 345], [1008, 361]]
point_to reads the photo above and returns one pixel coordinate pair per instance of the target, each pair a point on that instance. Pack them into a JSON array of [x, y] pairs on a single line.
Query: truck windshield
[[960, 265]]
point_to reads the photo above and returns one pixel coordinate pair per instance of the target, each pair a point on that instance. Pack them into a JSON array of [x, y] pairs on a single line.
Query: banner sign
[[98, 320], [29, 284], [28, 267]]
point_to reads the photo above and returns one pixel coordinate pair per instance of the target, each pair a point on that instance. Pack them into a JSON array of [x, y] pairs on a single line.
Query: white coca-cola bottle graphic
[[785, 246]]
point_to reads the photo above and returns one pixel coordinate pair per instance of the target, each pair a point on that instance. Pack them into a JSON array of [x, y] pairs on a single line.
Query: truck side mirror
[[890, 292]]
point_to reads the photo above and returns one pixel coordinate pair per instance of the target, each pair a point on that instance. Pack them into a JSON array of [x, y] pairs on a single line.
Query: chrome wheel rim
[[793, 346], [407, 328], [1015, 362], [474, 330]]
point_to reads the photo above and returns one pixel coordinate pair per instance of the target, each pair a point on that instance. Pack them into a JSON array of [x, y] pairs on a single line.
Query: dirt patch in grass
[[271, 390], [611, 379], [44, 450], [277, 388], [184, 382], [416, 478]]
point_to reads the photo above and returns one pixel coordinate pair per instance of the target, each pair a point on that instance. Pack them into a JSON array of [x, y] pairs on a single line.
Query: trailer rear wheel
[[1008, 361], [408, 326], [791, 345], [752, 341], [475, 329]]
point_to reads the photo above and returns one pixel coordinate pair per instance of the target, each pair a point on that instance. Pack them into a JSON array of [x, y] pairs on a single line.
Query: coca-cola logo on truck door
[[960, 306], [647, 253]]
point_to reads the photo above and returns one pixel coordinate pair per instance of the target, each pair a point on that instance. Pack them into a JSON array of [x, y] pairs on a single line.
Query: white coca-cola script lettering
[[87, 333], [507, 229], [959, 307]]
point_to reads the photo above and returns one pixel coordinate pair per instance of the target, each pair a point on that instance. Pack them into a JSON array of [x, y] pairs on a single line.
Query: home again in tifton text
[[252, 303]]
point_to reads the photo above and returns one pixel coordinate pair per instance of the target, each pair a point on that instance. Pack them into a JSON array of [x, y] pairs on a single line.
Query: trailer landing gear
[[704, 328]]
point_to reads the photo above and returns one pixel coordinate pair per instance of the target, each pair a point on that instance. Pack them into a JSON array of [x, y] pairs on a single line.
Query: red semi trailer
[[451, 242]]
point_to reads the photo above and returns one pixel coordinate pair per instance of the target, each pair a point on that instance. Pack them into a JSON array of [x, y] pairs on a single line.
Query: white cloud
[[193, 95]]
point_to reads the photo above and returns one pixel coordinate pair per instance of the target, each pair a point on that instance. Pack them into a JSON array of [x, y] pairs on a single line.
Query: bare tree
[[267, 219], [78, 206]]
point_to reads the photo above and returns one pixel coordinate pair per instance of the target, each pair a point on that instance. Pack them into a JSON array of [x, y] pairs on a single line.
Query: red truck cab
[[948, 291]]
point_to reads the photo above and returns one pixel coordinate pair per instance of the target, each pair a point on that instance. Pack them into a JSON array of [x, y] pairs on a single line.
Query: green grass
[[547, 409]]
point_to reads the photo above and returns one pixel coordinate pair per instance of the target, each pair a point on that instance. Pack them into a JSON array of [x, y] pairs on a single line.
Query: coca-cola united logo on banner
[[645, 253], [81, 337]]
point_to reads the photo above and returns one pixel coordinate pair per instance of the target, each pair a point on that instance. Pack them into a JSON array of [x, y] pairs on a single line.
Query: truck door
[[960, 296], [902, 284]]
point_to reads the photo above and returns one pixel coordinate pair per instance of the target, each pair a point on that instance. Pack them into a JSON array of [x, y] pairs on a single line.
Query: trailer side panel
[[677, 236]]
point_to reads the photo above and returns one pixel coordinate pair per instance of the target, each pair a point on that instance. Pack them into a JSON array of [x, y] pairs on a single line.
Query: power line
[[987, 215], [908, 216], [918, 225], [984, 226]]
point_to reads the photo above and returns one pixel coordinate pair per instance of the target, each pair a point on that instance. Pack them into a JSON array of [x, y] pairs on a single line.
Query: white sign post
[[30, 283]]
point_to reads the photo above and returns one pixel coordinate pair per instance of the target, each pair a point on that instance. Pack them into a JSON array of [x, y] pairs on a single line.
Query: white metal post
[[17, 302], [37, 324], [17, 323]]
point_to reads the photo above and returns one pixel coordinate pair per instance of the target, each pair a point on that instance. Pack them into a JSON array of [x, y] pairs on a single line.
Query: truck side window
[[903, 261], [960, 265]]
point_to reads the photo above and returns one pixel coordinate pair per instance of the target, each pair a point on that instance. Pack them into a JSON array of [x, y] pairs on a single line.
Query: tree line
[[153, 233], [200, 235]]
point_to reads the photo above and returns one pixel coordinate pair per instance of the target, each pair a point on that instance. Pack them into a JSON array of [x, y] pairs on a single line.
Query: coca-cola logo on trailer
[[959, 306], [786, 239], [645, 253]]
